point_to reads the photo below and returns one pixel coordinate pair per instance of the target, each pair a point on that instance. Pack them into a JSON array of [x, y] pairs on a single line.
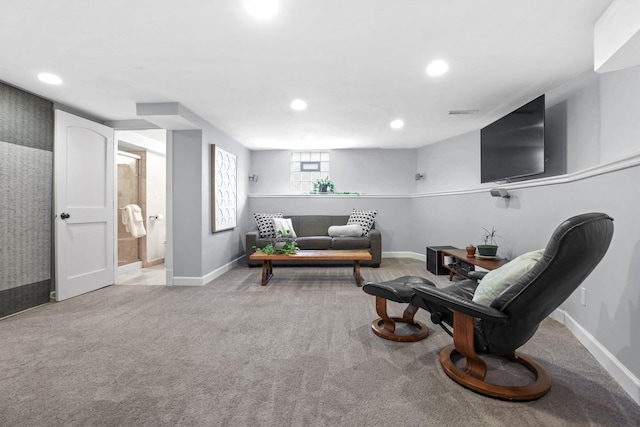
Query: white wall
[[156, 205], [366, 171], [620, 106], [453, 164]]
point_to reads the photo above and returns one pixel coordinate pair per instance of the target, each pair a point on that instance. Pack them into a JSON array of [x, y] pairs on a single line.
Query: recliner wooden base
[[385, 326], [472, 377]]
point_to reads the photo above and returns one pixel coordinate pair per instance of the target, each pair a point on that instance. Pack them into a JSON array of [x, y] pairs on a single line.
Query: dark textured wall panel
[[25, 215], [26, 188], [25, 119], [24, 297]]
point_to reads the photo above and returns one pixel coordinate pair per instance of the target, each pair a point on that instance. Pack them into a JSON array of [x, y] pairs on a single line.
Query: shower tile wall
[[128, 193]]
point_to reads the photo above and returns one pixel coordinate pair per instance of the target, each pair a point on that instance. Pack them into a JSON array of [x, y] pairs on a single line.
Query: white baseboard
[[129, 267], [201, 281], [405, 254], [629, 382]]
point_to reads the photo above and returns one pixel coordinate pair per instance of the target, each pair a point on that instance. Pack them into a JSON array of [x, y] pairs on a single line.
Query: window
[[306, 168]]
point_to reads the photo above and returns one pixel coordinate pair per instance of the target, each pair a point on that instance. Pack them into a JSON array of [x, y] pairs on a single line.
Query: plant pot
[[471, 251], [322, 188], [487, 250]]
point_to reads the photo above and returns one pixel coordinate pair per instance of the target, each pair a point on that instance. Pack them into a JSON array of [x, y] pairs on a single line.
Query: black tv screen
[[513, 146]]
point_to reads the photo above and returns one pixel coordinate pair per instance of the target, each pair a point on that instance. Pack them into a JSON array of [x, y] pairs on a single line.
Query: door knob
[[65, 215]]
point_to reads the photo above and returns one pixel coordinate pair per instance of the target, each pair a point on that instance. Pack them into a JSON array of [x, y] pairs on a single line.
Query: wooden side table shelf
[[463, 263]]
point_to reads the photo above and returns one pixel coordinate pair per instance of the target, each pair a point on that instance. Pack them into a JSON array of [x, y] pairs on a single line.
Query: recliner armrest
[[457, 303]]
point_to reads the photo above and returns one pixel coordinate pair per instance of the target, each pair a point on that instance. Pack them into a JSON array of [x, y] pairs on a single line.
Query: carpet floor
[[298, 352]]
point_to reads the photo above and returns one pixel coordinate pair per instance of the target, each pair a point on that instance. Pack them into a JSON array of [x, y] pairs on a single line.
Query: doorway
[[141, 182], [129, 247]]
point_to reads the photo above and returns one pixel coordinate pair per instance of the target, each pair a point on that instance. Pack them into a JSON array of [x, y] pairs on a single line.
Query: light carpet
[[298, 352]]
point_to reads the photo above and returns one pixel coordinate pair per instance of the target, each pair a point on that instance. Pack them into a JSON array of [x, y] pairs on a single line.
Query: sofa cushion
[[364, 218], [351, 230], [313, 225], [265, 223], [314, 242], [348, 243], [284, 226]]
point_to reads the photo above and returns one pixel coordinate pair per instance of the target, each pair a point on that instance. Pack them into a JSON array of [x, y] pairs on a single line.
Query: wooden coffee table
[[321, 255]]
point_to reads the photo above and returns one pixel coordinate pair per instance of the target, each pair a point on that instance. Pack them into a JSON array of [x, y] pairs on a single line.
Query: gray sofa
[[312, 232]]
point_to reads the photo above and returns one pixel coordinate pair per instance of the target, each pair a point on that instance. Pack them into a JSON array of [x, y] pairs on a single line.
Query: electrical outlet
[[583, 296]]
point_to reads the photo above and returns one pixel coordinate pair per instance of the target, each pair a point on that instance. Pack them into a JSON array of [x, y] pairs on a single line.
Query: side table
[[463, 264]]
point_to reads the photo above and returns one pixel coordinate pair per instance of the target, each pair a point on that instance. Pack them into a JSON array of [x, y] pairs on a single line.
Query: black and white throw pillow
[[265, 223], [364, 218]]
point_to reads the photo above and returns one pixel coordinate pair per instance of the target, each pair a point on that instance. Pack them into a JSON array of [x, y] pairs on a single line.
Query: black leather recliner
[[574, 250]]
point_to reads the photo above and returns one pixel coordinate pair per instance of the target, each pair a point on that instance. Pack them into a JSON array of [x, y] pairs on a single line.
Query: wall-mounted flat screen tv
[[513, 147]]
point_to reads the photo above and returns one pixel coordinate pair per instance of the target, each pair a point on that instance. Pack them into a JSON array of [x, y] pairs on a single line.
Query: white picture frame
[[224, 190]]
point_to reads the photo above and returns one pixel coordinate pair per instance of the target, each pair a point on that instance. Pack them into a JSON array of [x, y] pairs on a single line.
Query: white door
[[84, 210]]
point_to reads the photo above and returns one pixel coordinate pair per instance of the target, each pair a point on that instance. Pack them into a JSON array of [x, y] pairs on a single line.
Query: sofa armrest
[[376, 247], [250, 241]]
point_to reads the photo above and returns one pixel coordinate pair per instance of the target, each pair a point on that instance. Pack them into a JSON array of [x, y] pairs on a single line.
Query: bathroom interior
[[141, 181]]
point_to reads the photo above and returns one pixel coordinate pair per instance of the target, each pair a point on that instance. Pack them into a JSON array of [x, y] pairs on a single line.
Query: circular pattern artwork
[[224, 189]]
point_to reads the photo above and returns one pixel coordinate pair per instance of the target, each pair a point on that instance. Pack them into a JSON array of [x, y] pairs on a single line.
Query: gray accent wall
[[187, 203], [198, 252], [601, 116], [26, 170]]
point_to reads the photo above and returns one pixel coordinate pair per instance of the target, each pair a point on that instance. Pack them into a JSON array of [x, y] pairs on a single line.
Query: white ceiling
[[359, 64]]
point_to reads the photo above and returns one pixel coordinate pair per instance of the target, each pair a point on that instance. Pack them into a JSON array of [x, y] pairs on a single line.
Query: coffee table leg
[[267, 271], [356, 272]]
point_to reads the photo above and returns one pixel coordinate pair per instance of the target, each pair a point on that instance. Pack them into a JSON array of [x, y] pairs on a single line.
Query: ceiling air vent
[[458, 112]]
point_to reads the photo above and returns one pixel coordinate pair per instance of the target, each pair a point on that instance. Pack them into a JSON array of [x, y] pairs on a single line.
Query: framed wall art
[[223, 189]]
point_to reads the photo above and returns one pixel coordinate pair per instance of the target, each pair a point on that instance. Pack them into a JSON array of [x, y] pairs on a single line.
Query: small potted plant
[[489, 246], [323, 186], [471, 250]]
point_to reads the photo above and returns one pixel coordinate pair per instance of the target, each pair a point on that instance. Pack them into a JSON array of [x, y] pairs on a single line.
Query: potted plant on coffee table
[[283, 244], [489, 246]]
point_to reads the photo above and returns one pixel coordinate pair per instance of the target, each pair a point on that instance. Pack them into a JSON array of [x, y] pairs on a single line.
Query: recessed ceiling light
[[298, 105], [437, 68], [261, 9], [49, 78], [397, 124]]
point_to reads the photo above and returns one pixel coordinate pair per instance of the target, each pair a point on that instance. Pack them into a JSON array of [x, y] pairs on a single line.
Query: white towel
[[133, 220]]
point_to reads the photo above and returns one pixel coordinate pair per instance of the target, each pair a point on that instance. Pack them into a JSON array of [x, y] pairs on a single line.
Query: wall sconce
[[500, 192], [253, 178], [418, 176]]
